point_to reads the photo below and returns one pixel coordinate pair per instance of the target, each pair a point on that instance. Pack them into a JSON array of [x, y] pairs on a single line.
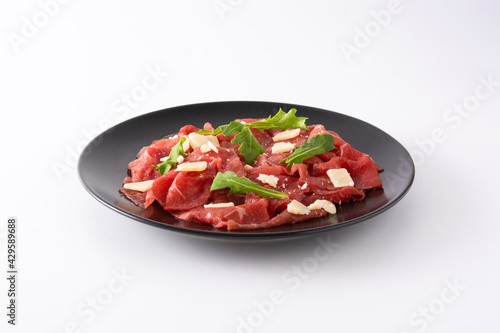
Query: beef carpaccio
[[267, 183]]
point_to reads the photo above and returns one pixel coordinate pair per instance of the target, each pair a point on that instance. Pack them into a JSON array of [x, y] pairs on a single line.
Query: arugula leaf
[[281, 120], [242, 185], [315, 145], [250, 148], [171, 161], [233, 128], [218, 130]]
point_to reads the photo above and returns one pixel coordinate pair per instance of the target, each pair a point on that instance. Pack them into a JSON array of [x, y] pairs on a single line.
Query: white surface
[[69, 79]]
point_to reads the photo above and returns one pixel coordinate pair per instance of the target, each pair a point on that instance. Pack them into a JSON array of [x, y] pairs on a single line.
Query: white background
[[429, 264]]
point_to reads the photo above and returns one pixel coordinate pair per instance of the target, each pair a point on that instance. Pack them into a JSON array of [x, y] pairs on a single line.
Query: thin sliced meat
[[337, 162], [364, 173], [187, 130], [188, 190], [138, 198], [142, 168], [253, 214], [159, 189], [286, 218], [184, 194], [338, 195]]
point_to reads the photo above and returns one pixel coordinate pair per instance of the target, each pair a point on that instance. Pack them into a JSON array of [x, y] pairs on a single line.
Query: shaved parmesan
[[139, 186], [268, 179], [209, 146], [220, 205], [282, 147], [213, 139], [192, 166], [212, 145], [205, 148], [323, 204], [186, 145], [340, 177], [297, 208], [286, 135], [198, 140]]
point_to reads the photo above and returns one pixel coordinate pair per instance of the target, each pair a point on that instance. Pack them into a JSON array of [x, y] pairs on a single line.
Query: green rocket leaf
[[242, 185], [250, 148], [281, 120], [315, 145], [171, 161]]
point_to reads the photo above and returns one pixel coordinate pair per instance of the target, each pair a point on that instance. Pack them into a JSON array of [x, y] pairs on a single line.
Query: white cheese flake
[[213, 139], [287, 135], [340, 177], [219, 205], [209, 146], [186, 145], [323, 204], [282, 147], [212, 146], [247, 167], [192, 166], [297, 208], [205, 148], [268, 179], [198, 140], [139, 186], [303, 187]]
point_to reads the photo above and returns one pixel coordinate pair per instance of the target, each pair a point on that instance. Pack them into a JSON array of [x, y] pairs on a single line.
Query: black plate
[[103, 164]]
